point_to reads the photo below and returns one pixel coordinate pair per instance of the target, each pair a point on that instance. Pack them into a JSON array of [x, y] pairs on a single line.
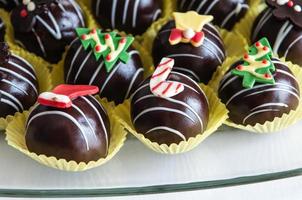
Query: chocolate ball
[[18, 83], [170, 120], [263, 102], [197, 62], [131, 16], [47, 27], [81, 67], [80, 133], [226, 13], [282, 26], [9, 4]]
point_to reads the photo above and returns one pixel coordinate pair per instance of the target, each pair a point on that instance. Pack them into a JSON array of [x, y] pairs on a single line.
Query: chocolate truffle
[[226, 13], [131, 16], [169, 107], [281, 23], [46, 27], [117, 78], [193, 42], [18, 83], [68, 128], [9, 4], [273, 94], [2, 30]]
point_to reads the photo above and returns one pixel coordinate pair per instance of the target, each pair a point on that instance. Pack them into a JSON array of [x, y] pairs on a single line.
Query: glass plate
[[227, 158]]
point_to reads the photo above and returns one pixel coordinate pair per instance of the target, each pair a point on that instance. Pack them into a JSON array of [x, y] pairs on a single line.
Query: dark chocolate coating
[[267, 25], [226, 13], [51, 131], [18, 85], [197, 62], [2, 30], [185, 111], [36, 37], [131, 16], [117, 85], [9, 4], [263, 102]]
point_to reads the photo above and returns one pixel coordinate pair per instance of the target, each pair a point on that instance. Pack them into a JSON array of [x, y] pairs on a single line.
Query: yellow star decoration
[[191, 20]]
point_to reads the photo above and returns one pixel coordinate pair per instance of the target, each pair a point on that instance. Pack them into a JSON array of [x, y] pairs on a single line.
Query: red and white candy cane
[[159, 85]]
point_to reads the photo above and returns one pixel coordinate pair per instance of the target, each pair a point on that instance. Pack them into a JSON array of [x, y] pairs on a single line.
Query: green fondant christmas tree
[[257, 65], [109, 46]]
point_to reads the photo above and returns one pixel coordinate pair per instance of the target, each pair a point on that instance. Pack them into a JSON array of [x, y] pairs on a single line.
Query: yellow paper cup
[[278, 123], [218, 114], [15, 136]]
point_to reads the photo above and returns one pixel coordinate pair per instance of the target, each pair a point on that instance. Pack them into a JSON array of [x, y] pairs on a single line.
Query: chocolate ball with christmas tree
[[131, 16], [106, 60], [46, 27], [259, 88], [226, 13], [68, 123], [193, 42]]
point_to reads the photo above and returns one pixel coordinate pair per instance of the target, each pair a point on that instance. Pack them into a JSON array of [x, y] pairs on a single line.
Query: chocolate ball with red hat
[[69, 123]]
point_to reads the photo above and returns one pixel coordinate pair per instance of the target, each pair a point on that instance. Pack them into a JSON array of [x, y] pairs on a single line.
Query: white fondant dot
[[188, 33], [282, 2], [31, 6], [297, 8], [25, 2]]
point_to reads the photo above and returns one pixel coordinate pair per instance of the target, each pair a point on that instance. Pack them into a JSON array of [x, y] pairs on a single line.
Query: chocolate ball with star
[[106, 60], [258, 88], [193, 42], [46, 27], [226, 13], [281, 23], [69, 123]]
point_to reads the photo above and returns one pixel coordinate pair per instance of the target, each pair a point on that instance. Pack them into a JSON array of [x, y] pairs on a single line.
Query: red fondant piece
[[74, 91], [175, 36], [198, 37]]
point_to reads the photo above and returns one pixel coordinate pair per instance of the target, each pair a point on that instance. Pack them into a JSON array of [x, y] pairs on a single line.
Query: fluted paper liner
[[278, 123], [217, 111], [15, 136]]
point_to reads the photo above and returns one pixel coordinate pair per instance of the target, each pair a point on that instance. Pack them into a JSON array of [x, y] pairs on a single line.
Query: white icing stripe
[[273, 89], [78, 11], [10, 104], [291, 45], [16, 2], [191, 4], [97, 7], [109, 77], [210, 50], [61, 7], [12, 98], [99, 116], [138, 89], [81, 66], [72, 62], [211, 6], [25, 61], [182, 3], [140, 70], [64, 115], [94, 99], [125, 11], [288, 74], [3, 1], [188, 71], [176, 102], [213, 28], [227, 83], [156, 14], [134, 16], [161, 109], [257, 112], [2, 24], [22, 69], [225, 77], [113, 11], [184, 55], [212, 34], [283, 32], [167, 129], [262, 21], [96, 73], [219, 50], [14, 85], [20, 77], [270, 104], [56, 33], [39, 42], [200, 6], [236, 11]]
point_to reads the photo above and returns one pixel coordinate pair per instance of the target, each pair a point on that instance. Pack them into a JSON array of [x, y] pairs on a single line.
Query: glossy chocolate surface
[[49, 28], [9, 4], [81, 67], [74, 133], [170, 120], [226, 13], [263, 102], [197, 62], [133, 16], [18, 83], [284, 36]]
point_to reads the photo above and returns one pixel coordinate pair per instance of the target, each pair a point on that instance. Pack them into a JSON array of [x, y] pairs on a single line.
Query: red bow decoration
[[186, 36]]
